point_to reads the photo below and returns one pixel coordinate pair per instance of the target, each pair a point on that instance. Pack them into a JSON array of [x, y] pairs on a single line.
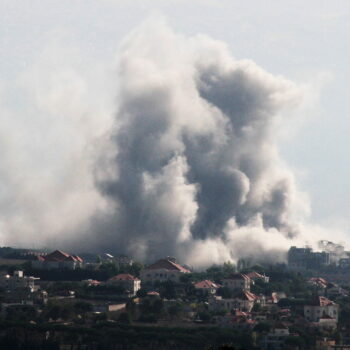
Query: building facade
[[18, 282], [320, 309], [163, 270], [130, 283], [237, 281], [58, 260]]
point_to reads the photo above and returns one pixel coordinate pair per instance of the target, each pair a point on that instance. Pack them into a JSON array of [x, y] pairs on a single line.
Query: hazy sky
[[307, 42]]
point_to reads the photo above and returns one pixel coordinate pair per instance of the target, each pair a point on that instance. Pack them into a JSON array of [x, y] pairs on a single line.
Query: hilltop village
[[58, 300]]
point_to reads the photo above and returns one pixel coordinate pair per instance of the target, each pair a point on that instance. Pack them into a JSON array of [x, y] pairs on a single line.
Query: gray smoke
[[193, 168], [186, 165]]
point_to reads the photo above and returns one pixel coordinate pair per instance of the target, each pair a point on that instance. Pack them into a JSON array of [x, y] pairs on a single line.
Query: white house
[[244, 301], [130, 283], [254, 276], [206, 287], [18, 281], [163, 270], [320, 309], [237, 281]]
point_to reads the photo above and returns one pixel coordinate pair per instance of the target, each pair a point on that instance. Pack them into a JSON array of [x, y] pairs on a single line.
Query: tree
[[125, 318], [141, 293], [82, 307], [205, 316], [224, 292], [131, 307], [262, 327], [168, 290], [256, 307]]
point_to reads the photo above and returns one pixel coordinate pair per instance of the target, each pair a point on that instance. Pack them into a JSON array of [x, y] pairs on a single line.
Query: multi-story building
[[206, 287], [321, 308], [254, 276], [18, 282], [243, 301], [57, 260], [237, 281], [305, 258], [163, 270]]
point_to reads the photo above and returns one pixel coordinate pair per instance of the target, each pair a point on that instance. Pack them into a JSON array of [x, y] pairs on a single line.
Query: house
[[18, 282], [321, 309], [244, 301], [237, 281], [130, 283], [334, 290], [57, 260], [254, 276], [318, 282], [276, 337], [163, 270], [206, 287]]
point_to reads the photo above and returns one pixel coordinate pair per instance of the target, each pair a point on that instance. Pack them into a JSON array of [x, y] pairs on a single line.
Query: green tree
[[125, 318]]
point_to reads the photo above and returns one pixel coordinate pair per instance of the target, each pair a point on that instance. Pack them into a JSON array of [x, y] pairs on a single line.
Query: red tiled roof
[[57, 255], [245, 295], [94, 282], [254, 274], [123, 277], [153, 294], [327, 317], [167, 265], [321, 301], [206, 284], [78, 258], [60, 256], [319, 281]]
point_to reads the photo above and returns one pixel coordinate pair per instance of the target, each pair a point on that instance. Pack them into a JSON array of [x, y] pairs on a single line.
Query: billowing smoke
[[195, 171], [188, 166]]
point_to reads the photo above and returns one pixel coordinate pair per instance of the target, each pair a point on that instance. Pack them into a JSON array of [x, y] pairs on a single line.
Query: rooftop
[[167, 265]]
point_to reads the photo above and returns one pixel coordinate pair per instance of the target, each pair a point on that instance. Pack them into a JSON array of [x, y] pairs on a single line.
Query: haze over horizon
[[160, 132]]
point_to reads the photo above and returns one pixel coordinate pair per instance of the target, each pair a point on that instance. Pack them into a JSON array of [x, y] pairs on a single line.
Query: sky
[[306, 43]]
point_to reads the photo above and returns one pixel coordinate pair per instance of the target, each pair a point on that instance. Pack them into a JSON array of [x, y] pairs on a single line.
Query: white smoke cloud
[[187, 165], [199, 174], [47, 150]]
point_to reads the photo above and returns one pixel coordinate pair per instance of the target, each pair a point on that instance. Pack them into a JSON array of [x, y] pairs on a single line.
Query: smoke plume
[[187, 165], [195, 171]]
